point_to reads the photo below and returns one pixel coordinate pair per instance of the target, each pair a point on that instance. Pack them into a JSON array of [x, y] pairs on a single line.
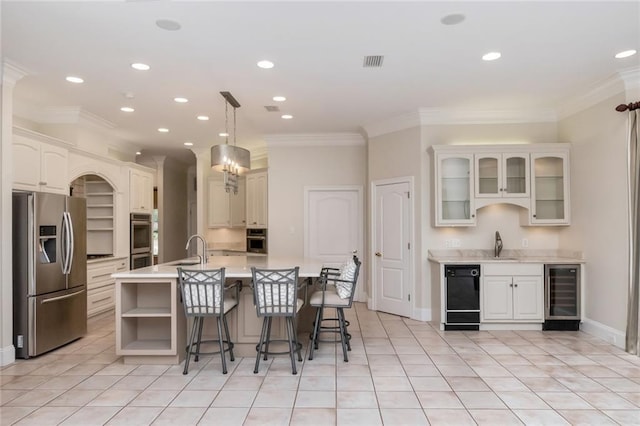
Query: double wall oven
[[256, 240], [141, 241]]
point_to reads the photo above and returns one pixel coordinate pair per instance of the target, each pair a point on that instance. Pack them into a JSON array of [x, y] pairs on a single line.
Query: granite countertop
[[507, 256]]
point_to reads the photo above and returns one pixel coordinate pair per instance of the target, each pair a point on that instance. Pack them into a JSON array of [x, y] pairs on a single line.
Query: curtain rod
[[630, 107]]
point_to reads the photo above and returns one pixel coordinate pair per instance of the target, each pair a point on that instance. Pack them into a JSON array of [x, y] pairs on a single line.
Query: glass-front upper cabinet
[[502, 175], [550, 189], [454, 190]]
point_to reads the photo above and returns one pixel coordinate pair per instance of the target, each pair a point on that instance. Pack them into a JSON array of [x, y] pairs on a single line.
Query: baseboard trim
[[606, 333], [370, 304], [421, 314], [7, 355]]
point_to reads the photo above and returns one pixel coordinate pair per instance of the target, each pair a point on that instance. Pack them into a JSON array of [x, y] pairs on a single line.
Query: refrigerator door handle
[[70, 246], [65, 242], [66, 296]]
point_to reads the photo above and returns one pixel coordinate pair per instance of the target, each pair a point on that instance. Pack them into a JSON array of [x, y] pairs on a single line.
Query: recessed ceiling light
[[287, 116], [453, 19], [279, 98], [73, 79], [163, 130], [140, 67], [188, 144], [203, 117], [625, 54], [138, 153], [168, 24], [223, 134], [127, 109], [491, 56], [181, 100], [265, 64]]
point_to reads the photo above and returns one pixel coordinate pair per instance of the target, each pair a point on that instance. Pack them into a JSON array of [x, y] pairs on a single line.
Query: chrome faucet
[[498, 246], [203, 258]]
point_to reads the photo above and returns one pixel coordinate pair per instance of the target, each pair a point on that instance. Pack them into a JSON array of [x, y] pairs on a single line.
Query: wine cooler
[[562, 297]]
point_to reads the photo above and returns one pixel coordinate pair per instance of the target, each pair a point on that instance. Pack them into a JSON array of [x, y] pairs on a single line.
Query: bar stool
[[275, 294], [337, 288], [204, 295]]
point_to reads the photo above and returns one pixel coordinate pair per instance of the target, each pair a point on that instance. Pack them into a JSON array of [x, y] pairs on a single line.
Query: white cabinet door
[[497, 298], [257, 198], [39, 166], [528, 298], [454, 190], [237, 205], [140, 191], [218, 204], [502, 175], [549, 189]]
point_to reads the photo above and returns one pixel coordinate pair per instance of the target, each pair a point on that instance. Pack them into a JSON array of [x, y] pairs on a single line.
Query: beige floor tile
[[428, 384], [350, 369], [10, 415], [244, 383], [379, 370], [313, 416], [353, 383], [194, 399], [541, 418], [149, 370], [154, 398], [316, 399], [443, 417], [321, 370], [74, 398], [116, 369], [439, 400], [633, 397], [207, 382], [403, 417], [495, 417], [87, 416], [397, 400], [481, 400], [98, 383], [234, 398], [170, 383], [624, 417], [412, 370], [35, 398], [224, 416], [114, 398], [130, 416], [461, 384], [26, 382], [415, 359], [523, 401], [358, 399], [47, 416], [543, 384], [268, 398], [492, 371], [83, 369], [62, 382], [391, 383], [619, 384], [358, 416], [8, 395], [179, 416], [586, 417], [53, 369], [318, 383], [268, 416], [285, 383], [607, 400], [564, 401]]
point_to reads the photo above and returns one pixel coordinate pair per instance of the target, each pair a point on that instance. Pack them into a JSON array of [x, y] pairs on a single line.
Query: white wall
[[291, 168], [599, 207]]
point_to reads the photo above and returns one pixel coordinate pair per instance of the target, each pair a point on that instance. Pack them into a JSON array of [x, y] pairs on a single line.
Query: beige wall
[[172, 209], [293, 168], [599, 207]]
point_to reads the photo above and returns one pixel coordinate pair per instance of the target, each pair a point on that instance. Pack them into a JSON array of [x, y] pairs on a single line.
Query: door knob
[[378, 254]]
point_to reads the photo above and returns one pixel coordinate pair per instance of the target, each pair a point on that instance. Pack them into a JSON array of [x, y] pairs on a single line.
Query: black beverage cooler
[[463, 297], [562, 297]]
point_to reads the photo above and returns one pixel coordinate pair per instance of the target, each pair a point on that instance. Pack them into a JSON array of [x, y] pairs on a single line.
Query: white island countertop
[[507, 256], [235, 266]]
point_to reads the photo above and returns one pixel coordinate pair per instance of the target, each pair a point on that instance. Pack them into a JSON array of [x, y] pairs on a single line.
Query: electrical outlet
[[525, 242], [456, 242], [447, 243]]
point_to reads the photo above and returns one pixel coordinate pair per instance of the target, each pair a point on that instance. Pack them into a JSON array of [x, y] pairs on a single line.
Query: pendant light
[[230, 159]]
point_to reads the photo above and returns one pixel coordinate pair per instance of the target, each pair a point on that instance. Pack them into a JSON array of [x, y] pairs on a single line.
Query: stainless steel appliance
[[256, 240], [49, 271], [141, 241], [562, 297], [462, 297]]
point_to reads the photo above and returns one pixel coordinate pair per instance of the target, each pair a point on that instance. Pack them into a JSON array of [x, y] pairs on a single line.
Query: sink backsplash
[[488, 254]]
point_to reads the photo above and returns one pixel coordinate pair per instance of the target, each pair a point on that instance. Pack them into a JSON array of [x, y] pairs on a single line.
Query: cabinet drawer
[[102, 300], [512, 269]]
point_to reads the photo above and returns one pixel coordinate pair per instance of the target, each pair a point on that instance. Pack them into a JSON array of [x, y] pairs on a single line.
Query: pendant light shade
[[230, 157]]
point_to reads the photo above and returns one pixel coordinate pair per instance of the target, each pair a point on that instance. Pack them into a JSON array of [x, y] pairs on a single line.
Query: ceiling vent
[[374, 61], [272, 108]]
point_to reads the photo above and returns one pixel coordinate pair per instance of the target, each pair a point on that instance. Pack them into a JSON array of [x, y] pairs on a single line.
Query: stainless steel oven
[[141, 260], [256, 240], [141, 233]]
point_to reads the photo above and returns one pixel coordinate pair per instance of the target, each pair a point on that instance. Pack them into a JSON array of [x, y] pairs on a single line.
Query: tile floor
[[401, 372]]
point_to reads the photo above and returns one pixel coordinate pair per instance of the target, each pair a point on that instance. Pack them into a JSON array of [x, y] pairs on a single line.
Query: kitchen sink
[[186, 263]]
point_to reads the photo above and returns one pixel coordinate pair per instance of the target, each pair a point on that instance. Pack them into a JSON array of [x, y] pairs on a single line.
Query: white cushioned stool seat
[[331, 298]]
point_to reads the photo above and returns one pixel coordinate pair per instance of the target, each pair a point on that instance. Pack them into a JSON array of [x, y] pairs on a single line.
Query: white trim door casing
[[333, 227], [392, 243]]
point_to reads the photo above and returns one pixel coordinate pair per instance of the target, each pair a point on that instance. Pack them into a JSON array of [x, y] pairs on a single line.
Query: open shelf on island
[[148, 345], [148, 312]]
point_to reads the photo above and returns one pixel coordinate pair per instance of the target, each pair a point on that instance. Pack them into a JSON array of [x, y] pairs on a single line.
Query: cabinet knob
[[510, 285], [515, 285], [534, 215], [42, 183], [378, 254], [473, 215]]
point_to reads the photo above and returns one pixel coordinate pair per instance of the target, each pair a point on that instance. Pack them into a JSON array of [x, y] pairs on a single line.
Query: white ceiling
[[551, 51]]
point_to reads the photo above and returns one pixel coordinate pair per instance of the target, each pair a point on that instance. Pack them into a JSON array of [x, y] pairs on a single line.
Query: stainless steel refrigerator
[[49, 271]]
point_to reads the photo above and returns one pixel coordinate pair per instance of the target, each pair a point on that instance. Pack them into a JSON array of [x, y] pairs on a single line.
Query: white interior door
[[333, 227], [391, 246]]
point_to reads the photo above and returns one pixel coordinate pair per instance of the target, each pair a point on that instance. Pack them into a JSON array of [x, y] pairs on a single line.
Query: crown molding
[[259, 153], [40, 137], [12, 72], [73, 115], [314, 139], [399, 122], [597, 92], [439, 116]]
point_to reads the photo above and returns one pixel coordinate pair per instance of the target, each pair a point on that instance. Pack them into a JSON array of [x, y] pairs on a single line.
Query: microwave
[[256, 241]]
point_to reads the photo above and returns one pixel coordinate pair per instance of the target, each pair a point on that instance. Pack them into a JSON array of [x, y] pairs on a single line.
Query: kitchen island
[[151, 327]]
